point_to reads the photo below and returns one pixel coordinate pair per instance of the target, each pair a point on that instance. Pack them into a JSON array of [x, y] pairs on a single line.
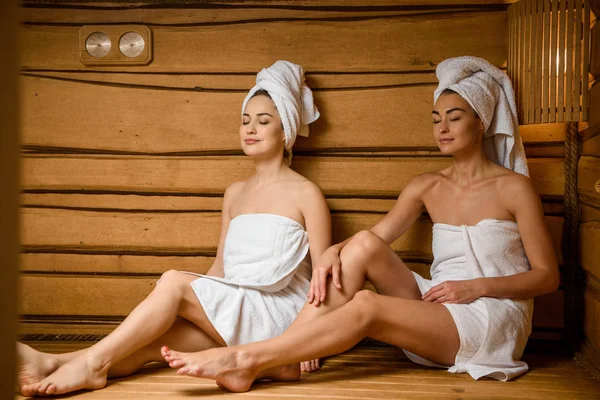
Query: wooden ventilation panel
[[548, 59]]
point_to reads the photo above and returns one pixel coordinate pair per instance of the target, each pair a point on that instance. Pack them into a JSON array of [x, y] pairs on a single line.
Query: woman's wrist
[[482, 287]]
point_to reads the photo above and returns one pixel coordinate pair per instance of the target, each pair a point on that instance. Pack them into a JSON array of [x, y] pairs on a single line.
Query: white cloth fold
[[285, 83], [489, 91], [493, 331], [267, 276]]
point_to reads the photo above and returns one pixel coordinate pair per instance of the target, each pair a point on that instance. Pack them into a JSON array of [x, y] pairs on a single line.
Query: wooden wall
[[124, 167], [589, 195]]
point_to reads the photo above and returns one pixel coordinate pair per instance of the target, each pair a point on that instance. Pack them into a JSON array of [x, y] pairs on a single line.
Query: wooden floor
[[362, 373]]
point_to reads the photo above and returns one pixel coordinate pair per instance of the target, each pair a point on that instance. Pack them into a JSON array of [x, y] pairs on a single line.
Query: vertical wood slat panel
[[553, 72], [527, 93], [522, 60], [578, 64], [546, 58], [586, 59], [538, 61], [569, 81], [562, 33]]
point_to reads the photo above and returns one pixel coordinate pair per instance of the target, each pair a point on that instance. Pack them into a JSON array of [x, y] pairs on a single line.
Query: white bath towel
[[284, 81], [489, 91], [493, 332], [267, 273]]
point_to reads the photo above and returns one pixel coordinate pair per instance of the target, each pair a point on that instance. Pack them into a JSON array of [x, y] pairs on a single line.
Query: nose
[[442, 126], [250, 129]]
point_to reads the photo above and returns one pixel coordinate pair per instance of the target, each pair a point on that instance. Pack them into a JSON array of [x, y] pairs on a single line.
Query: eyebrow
[[259, 114], [449, 111]]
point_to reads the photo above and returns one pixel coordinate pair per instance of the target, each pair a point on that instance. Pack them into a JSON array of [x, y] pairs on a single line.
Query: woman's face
[[456, 126], [261, 131]]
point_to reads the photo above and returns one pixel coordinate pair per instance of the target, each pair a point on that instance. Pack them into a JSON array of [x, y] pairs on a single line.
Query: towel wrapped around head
[[284, 81], [489, 91]]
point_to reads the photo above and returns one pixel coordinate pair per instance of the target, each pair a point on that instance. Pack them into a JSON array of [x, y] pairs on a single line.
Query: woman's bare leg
[[151, 319], [426, 329], [365, 257]]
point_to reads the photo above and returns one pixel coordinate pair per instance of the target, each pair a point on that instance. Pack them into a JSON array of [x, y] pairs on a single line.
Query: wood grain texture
[[381, 176], [313, 44], [206, 14], [188, 232], [120, 202], [589, 242], [361, 373], [588, 174], [117, 296], [394, 118]]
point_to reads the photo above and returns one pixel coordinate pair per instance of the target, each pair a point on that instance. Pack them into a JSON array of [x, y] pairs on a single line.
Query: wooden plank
[[594, 99], [200, 14], [588, 180], [188, 232], [589, 242], [179, 232], [595, 53], [116, 296], [591, 322], [316, 45], [591, 146], [241, 82], [385, 176], [115, 202], [273, 3], [208, 121], [589, 213], [113, 263]]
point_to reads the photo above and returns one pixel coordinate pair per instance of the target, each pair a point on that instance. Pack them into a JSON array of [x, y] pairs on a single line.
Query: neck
[[269, 170], [469, 167]]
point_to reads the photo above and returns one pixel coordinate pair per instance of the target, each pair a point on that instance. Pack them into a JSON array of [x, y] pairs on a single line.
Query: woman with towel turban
[[492, 255], [261, 275]]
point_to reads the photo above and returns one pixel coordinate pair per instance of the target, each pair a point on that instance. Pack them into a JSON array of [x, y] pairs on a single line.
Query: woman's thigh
[[192, 310], [424, 328]]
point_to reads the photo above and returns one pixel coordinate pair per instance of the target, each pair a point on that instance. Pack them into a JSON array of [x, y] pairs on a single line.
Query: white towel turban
[[284, 81], [489, 91]]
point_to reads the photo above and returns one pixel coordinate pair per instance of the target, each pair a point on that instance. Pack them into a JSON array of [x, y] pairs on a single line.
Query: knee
[[366, 244], [364, 304], [172, 278]]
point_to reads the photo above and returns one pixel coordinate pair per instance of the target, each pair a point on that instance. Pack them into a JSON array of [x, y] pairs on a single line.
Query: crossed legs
[[397, 316]]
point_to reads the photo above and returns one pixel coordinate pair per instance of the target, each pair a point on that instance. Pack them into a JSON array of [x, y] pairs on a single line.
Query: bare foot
[[231, 369], [80, 373], [34, 365], [311, 366]]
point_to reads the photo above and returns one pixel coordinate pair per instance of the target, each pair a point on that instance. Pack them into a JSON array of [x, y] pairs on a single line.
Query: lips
[[251, 141], [445, 141]]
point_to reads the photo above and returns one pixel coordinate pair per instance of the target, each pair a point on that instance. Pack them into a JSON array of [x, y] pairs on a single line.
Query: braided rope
[[573, 274]]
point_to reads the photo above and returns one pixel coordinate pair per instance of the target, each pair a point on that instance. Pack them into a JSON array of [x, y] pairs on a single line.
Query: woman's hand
[[455, 292], [328, 264]]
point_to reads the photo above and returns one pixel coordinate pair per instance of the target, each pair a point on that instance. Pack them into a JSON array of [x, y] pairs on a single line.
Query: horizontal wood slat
[[588, 180], [184, 232], [390, 118], [591, 146], [589, 242], [589, 213], [275, 3], [208, 15], [114, 296], [199, 203], [384, 176], [313, 44], [591, 323]]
